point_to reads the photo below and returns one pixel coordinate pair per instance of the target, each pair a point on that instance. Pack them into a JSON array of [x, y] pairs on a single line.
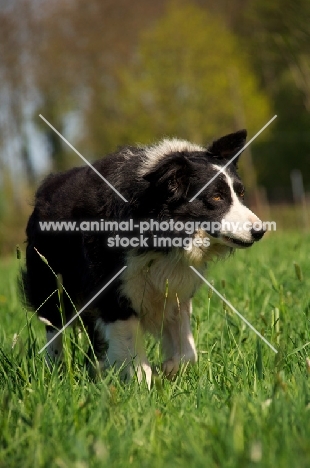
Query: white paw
[[172, 365], [144, 371]]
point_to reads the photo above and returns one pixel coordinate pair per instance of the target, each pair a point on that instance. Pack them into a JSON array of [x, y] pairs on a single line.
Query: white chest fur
[[156, 284]]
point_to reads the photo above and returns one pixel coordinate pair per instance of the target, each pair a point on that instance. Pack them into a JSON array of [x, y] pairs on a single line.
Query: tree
[[190, 79], [83, 45], [279, 52]]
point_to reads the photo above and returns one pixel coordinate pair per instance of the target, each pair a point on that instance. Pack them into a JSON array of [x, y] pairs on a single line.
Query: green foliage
[[241, 406], [279, 52], [191, 79]]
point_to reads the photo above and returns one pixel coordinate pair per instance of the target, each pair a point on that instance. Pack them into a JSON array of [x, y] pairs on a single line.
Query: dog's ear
[[171, 175], [229, 145]]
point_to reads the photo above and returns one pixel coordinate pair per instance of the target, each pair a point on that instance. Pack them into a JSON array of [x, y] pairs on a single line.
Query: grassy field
[[241, 406]]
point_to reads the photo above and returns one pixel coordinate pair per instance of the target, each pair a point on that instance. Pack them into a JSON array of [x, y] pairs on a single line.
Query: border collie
[[153, 293]]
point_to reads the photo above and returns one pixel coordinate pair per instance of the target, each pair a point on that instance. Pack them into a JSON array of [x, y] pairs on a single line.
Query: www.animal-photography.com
[[154, 234]]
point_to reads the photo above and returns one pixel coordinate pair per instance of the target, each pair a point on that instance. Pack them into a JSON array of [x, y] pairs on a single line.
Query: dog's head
[[191, 183]]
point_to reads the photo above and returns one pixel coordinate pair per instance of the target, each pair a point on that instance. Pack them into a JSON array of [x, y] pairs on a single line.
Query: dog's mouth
[[233, 242]]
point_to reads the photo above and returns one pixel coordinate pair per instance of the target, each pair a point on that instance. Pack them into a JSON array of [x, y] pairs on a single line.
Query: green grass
[[241, 406]]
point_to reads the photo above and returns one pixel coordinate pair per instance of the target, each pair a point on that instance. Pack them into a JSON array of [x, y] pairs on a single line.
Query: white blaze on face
[[239, 220]]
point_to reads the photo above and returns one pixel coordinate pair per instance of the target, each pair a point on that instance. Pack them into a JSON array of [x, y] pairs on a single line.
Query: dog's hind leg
[[54, 347], [178, 341], [126, 348]]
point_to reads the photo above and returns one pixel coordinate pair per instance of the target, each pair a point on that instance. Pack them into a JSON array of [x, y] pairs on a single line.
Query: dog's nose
[[257, 235]]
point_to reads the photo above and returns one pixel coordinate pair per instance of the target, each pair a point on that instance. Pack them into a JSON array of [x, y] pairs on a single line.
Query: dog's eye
[[217, 198], [241, 194]]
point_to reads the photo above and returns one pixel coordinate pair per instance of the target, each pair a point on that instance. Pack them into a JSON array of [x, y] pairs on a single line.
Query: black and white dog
[[153, 294]]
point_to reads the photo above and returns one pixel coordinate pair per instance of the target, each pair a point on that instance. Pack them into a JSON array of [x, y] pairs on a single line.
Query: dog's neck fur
[[155, 153]]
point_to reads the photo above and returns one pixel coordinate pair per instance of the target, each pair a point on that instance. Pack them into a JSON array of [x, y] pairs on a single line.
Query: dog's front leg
[[126, 348], [178, 341]]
